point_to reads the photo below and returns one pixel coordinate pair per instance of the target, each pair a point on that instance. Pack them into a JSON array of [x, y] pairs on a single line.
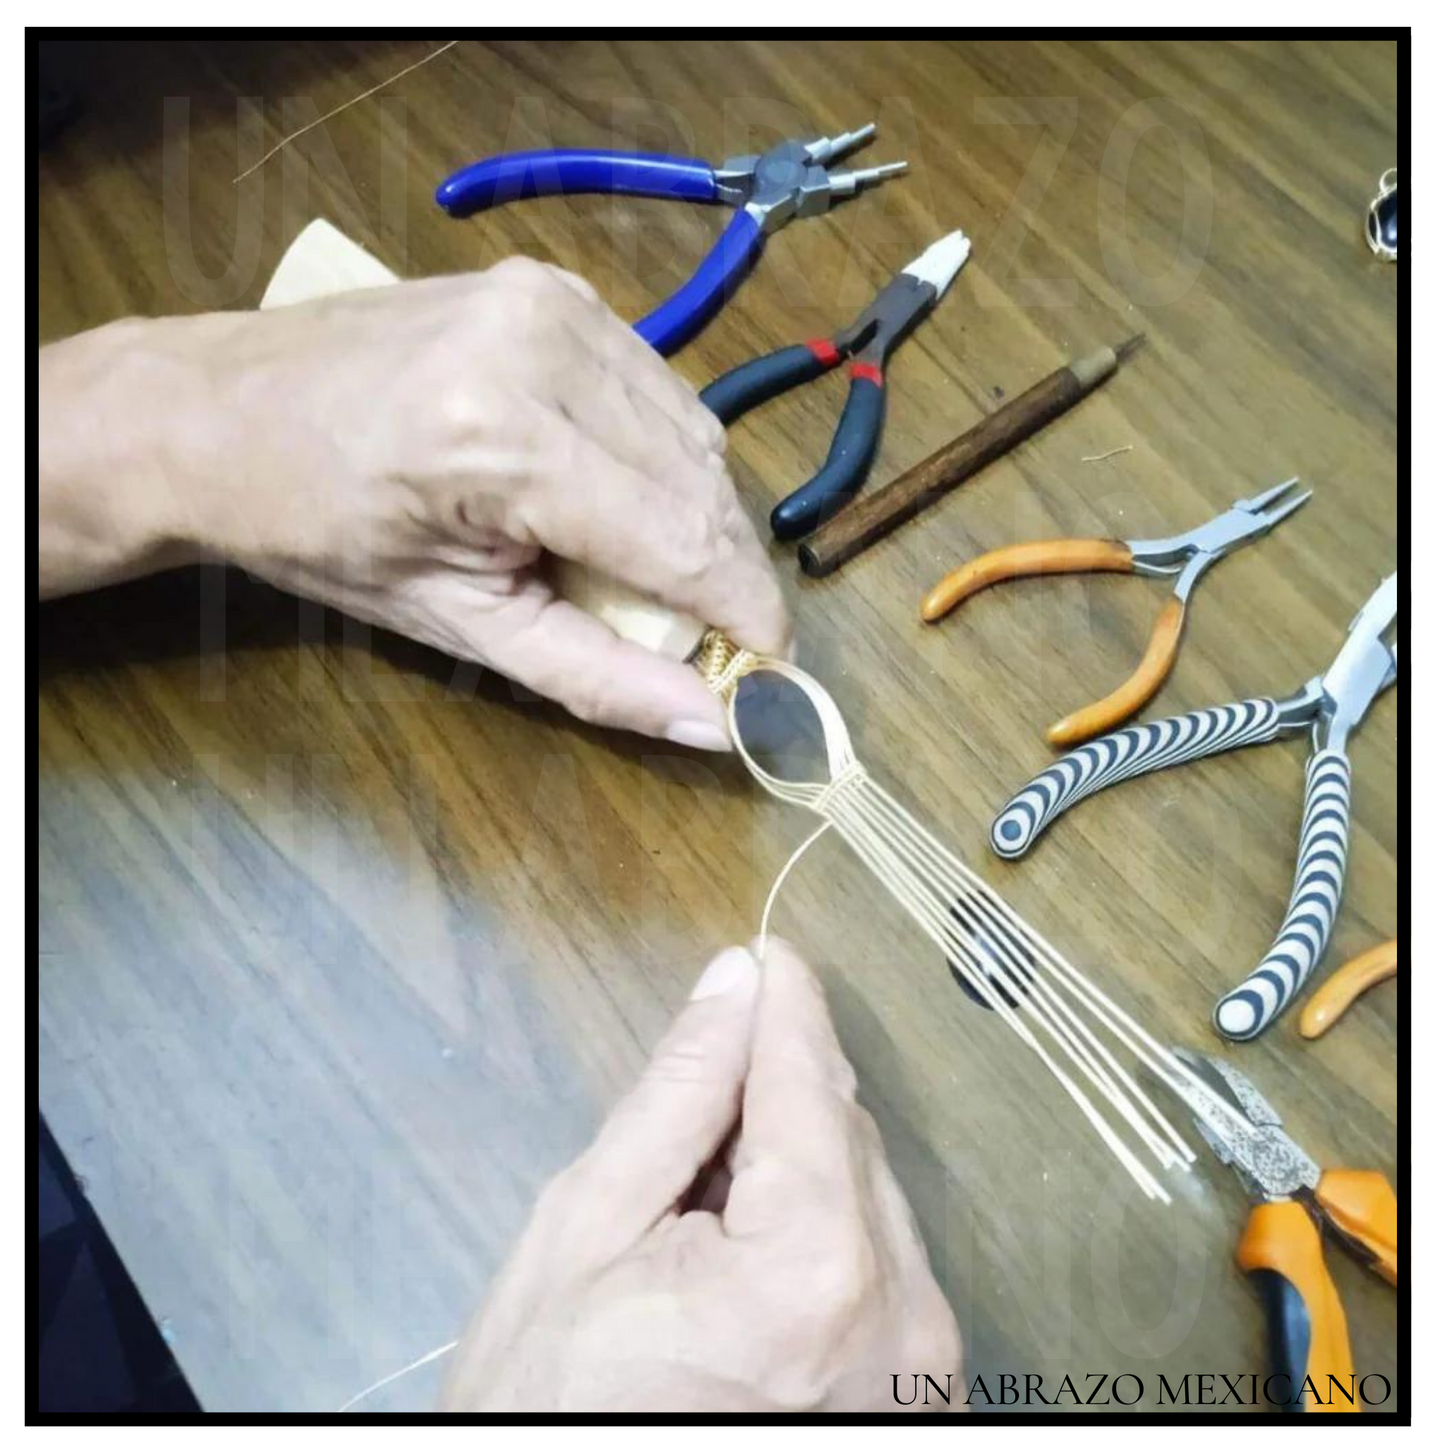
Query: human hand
[[411, 454], [670, 1268]]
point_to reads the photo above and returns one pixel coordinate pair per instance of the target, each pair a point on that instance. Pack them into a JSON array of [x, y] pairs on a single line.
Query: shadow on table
[[207, 616]]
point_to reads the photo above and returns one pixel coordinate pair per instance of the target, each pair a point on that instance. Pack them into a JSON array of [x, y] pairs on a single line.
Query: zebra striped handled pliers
[[1330, 706]]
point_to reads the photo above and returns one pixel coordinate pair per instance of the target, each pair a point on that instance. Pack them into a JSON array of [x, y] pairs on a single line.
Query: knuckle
[[554, 1202], [865, 1127], [521, 273], [841, 1276], [830, 1293], [588, 700], [835, 1074], [687, 1243], [683, 1061], [593, 694], [931, 1334], [458, 409], [701, 431], [579, 287], [942, 1340], [531, 299], [698, 546]]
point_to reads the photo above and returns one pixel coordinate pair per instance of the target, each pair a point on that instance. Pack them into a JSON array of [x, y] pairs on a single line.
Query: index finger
[[797, 1154], [676, 532]]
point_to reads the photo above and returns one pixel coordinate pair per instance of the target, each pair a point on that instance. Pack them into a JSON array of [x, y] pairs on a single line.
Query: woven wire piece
[[722, 663], [1063, 1018]]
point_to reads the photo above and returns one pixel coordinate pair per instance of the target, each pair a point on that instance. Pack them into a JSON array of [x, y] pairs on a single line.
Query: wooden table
[[344, 949]]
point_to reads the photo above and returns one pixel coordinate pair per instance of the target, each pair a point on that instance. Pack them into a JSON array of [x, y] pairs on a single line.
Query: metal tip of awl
[[1128, 348]]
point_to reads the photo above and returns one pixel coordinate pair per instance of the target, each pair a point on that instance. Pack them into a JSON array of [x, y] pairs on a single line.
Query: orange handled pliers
[[1325, 1006], [1187, 556], [1295, 1203]]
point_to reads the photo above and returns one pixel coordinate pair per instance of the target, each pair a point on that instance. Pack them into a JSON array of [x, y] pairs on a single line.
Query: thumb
[[657, 1140]]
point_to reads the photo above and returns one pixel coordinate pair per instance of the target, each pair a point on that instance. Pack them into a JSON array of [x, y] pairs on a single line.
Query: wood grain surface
[[344, 948]]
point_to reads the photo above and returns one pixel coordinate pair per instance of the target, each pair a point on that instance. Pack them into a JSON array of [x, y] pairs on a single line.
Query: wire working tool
[[868, 341], [1330, 706], [1296, 1202], [1325, 1007], [791, 179], [1187, 556]]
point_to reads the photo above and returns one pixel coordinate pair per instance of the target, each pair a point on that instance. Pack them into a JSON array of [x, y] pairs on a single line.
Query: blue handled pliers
[[769, 190]]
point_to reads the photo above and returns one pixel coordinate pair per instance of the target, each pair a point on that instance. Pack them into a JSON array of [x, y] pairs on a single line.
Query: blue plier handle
[[524, 174], [568, 172], [791, 179]]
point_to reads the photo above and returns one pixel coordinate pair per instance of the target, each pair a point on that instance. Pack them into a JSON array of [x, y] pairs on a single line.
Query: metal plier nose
[[791, 179], [1189, 555]]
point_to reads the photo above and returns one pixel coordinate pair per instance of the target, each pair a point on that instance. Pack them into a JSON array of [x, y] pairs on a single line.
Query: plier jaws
[[1364, 667], [792, 179], [1270, 1165], [1190, 553], [1333, 703], [825, 150]]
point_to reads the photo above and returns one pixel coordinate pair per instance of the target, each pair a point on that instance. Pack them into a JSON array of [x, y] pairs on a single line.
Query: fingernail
[[698, 735], [732, 968]]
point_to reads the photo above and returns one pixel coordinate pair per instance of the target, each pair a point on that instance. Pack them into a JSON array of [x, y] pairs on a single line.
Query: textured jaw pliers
[[1296, 1204], [768, 190]]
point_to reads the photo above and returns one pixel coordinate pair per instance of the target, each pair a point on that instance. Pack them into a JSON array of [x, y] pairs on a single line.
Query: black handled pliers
[[891, 315]]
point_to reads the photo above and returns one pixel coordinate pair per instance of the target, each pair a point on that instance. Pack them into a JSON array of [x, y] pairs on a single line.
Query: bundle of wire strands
[[1076, 1031]]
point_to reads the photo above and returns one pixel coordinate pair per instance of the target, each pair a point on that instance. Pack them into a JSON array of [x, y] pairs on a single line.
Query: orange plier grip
[[1033, 559], [1345, 985], [1361, 1205], [1309, 1339], [1282, 1248]]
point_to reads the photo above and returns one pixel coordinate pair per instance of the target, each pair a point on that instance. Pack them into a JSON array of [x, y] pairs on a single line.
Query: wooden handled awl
[[860, 525]]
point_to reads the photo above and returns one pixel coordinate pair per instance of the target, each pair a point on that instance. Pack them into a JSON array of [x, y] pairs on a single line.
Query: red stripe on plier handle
[[825, 351], [866, 371]]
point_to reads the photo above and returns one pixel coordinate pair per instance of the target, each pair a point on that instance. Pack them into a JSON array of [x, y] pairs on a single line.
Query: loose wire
[[426, 1359], [345, 105], [1033, 989]]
